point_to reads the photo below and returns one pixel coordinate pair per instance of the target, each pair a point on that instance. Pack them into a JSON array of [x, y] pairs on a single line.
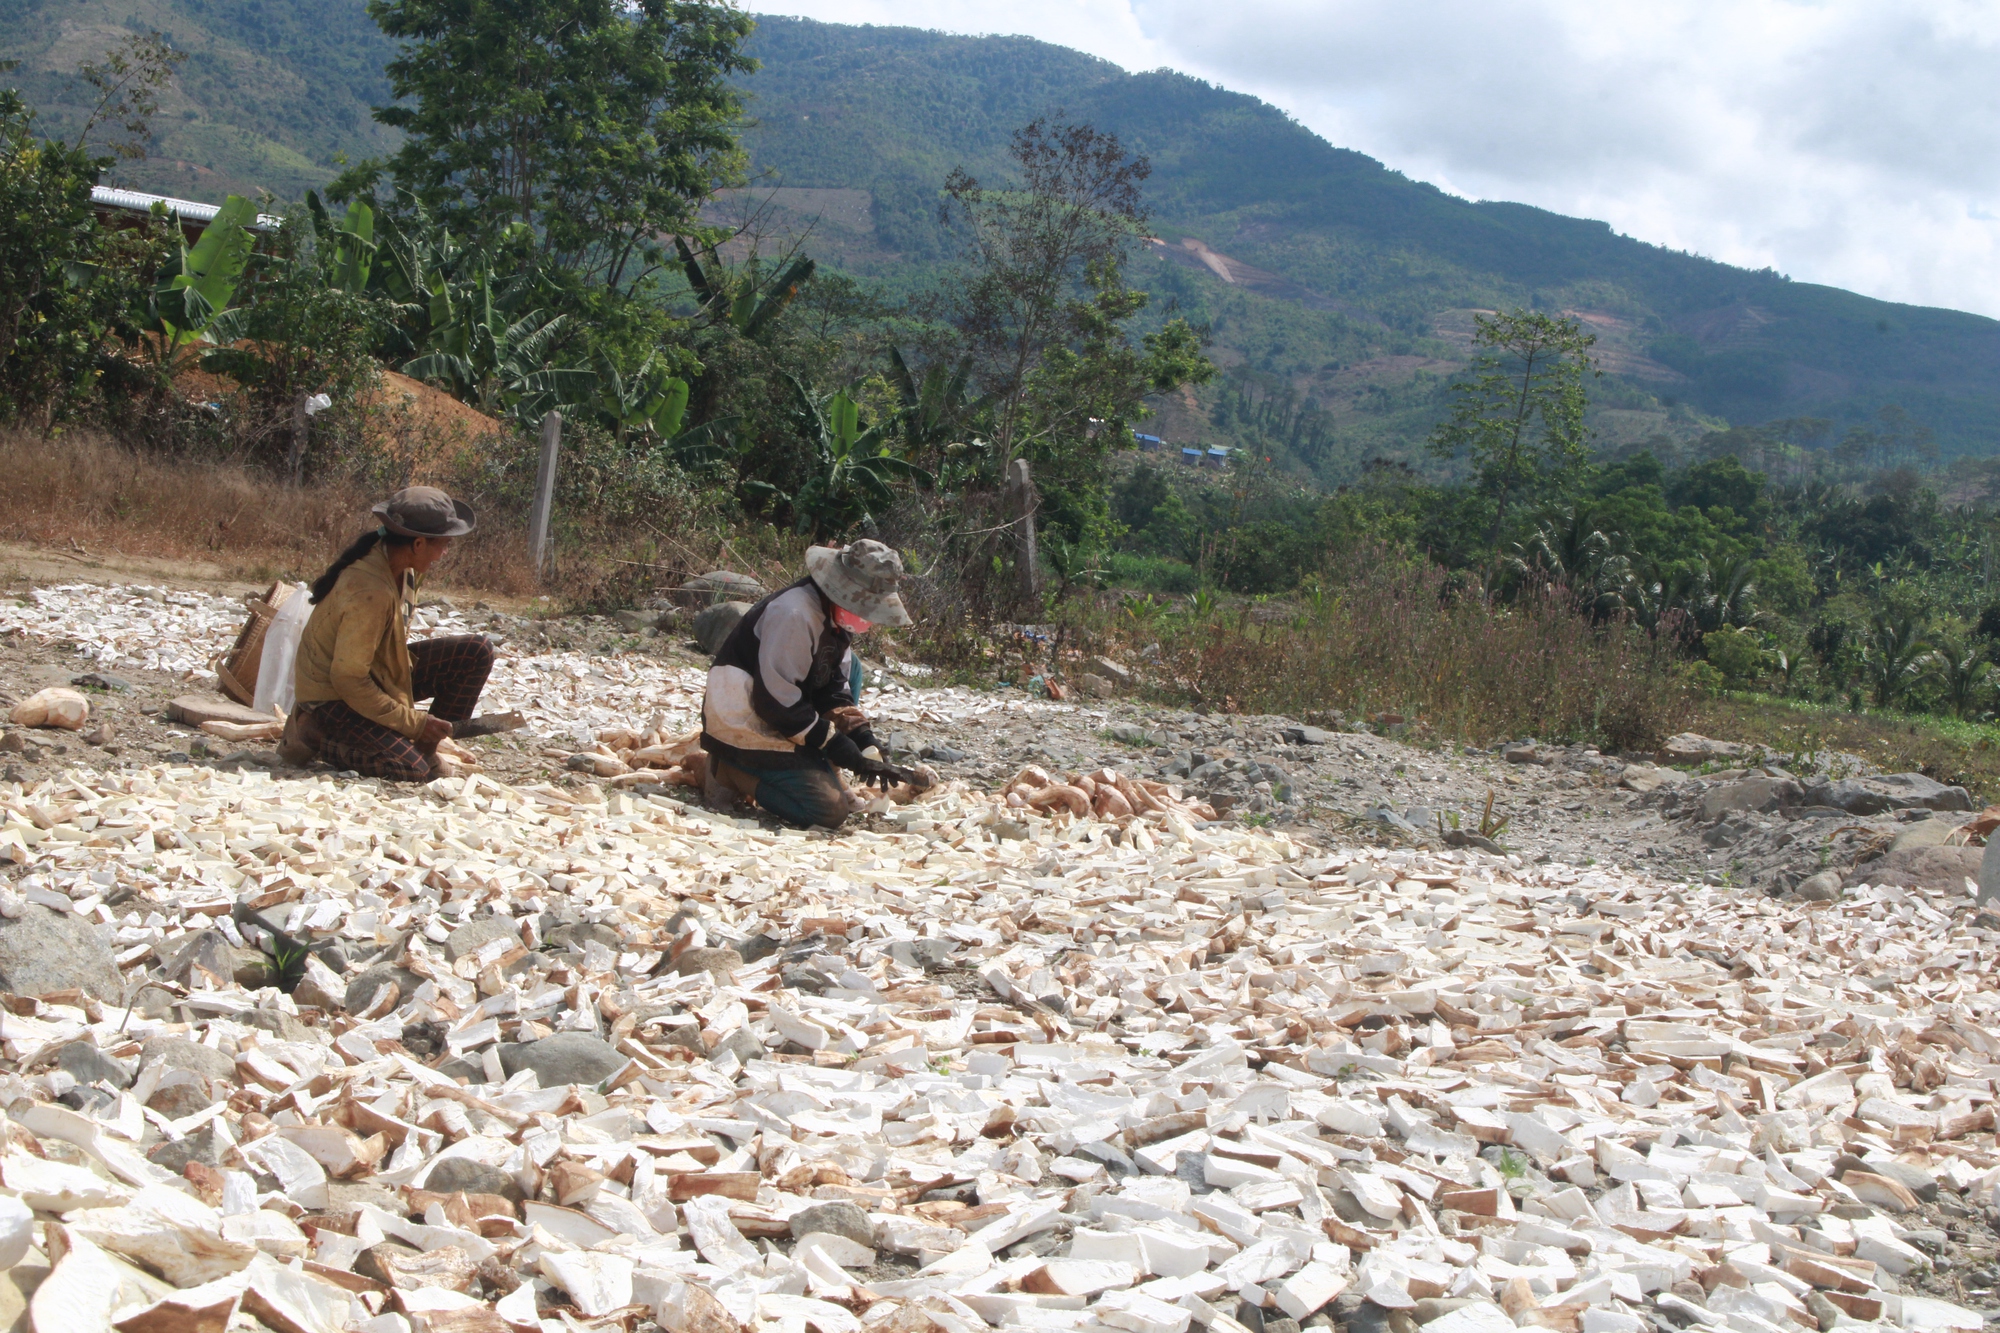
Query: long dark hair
[[358, 549]]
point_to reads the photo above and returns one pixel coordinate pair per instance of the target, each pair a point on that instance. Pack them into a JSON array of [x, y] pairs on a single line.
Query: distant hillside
[[272, 94], [1340, 294], [1346, 283]]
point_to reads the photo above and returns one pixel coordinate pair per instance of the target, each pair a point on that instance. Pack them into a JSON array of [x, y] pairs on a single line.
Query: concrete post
[[1021, 499], [545, 494]]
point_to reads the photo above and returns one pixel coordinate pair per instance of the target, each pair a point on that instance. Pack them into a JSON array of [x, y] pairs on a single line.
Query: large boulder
[[717, 623], [1933, 832], [1750, 794], [1689, 748], [43, 951], [718, 585], [566, 1057], [473, 936], [1644, 778], [1942, 868], [1889, 791]]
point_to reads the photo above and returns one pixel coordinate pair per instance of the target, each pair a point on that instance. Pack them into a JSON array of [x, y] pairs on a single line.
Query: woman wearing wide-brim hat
[[358, 677], [779, 715]]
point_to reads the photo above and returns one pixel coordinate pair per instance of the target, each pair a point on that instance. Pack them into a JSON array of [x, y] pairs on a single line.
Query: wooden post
[[545, 494], [301, 423], [1021, 498]]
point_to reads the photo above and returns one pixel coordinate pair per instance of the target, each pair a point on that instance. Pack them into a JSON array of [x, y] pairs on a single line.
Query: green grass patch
[[1965, 754]]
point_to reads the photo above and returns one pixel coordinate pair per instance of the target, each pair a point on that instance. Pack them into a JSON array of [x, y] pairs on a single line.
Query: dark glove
[[842, 752], [863, 736]]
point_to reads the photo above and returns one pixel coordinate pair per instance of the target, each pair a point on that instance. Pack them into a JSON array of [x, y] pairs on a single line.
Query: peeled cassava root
[[1104, 793], [53, 707]]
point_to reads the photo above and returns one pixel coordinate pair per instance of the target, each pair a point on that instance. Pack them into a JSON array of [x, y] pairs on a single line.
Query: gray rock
[[758, 946], [283, 1026], [361, 990], [634, 622], [1432, 1307], [177, 1101], [1129, 734], [566, 1057], [345, 1195], [1989, 873], [369, 1263], [1944, 868], [1307, 736], [458, 1069], [475, 935], [576, 934], [928, 954], [943, 754], [1821, 888], [835, 1219], [1384, 815], [192, 1056], [456, 1174], [1932, 832], [715, 623], [1912, 1178], [719, 584], [1750, 794], [102, 680], [1521, 752], [1095, 686], [717, 962], [1111, 671], [743, 1044], [1891, 791], [43, 951], [86, 1064], [204, 1146]]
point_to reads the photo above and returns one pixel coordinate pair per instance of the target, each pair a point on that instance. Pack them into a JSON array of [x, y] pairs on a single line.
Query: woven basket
[[237, 668]]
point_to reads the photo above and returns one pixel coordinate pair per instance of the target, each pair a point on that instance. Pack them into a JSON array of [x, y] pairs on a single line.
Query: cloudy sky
[[1851, 142]]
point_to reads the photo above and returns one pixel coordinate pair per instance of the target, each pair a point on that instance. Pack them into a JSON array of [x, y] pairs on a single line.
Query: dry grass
[[1388, 638], [83, 489]]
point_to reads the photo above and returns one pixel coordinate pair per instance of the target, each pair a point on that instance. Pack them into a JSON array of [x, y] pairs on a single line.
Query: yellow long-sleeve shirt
[[356, 646]]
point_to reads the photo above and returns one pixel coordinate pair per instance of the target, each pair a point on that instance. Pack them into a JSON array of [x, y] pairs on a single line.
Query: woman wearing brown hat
[[358, 676]]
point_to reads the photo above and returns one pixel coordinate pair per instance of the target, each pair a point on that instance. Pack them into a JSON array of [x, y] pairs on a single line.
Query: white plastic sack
[[281, 650]]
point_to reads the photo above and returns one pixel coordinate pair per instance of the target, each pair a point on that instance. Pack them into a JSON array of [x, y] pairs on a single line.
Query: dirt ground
[[1570, 804]]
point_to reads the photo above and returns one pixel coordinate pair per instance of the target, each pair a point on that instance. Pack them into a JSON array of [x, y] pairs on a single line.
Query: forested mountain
[[1333, 283], [1339, 293]]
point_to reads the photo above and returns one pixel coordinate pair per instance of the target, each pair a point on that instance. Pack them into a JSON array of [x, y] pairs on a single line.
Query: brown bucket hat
[[424, 511], [862, 578]]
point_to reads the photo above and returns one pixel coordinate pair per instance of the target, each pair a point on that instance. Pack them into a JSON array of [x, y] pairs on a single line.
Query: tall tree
[[1041, 307], [602, 124], [1518, 414]]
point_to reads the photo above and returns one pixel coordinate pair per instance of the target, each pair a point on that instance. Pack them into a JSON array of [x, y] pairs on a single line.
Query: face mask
[[850, 622]]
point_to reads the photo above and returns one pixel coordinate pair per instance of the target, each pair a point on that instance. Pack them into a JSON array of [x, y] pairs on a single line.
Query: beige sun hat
[[861, 578], [424, 511]]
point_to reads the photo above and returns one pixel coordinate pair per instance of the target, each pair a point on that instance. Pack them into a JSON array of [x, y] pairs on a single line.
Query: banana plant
[[935, 407], [851, 473], [499, 363], [352, 241], [191, 303], [741, 300], [648, 402]]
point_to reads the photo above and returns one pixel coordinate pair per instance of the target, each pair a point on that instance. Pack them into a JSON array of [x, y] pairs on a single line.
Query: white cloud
[[1850, 142]]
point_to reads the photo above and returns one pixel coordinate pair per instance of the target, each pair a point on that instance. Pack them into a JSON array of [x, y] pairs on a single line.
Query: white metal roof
[[188, 210]]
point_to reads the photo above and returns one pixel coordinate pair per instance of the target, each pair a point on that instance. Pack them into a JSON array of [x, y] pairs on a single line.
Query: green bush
[[1150, 573]]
